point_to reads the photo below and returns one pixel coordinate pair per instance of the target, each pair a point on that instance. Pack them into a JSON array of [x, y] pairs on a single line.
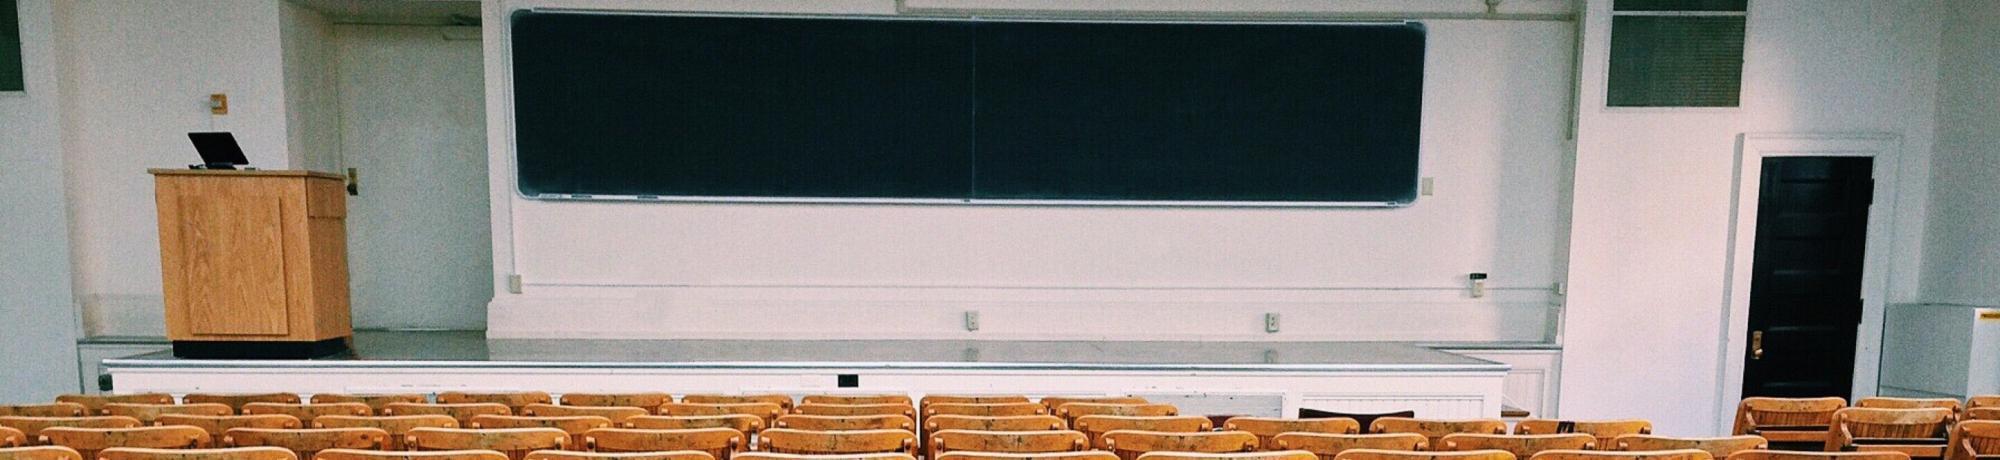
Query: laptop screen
[[218, 148]]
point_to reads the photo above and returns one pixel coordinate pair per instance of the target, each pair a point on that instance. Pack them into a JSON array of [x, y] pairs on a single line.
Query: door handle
[[1756, 345]]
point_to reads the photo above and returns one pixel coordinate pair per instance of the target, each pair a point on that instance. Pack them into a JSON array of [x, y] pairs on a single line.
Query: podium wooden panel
[[254, 262]]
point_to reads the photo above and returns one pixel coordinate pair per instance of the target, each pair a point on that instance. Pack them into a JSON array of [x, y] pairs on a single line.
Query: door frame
[[1752, 149]]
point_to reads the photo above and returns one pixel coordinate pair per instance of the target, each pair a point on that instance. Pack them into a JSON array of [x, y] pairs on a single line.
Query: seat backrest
[[846, 422], [575, 425], [1794, 455], [309, 441], [1861, 422], [57, 409], [1130, 444], [1007, 441], [1521, 445], [1885, 402], [515, 442], [764, 410], [1684, 454], [1001, 423], [88, 441], [374, 401], [783, 401], [977, 455], [1982, 401], [577, 455], [971, 399], [617, 414], [857, 409], [1436, 429], [1983, 413], [789, 441], [649, 399], [1721, 447], [32, 426], [1757, 412], [10, 437], [1266, 455], [356, 454], [39, 453], [239, 453], [216, 424], [1096, 425], [985, 409], [1973, 438], [1604, 430], [462, 412], [307, 412], [1056, 402], [94, 404], [778, 456], [1267, 429], [1328, 446], [514, 400], [1377, 454], [721, 443], [398, 426], [150, 413], [745, 423], [235, 401], [1070, 411], [856, 399]]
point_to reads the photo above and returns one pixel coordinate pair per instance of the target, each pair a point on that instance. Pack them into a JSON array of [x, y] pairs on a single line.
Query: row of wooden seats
[[1919, 427], [265, 453]]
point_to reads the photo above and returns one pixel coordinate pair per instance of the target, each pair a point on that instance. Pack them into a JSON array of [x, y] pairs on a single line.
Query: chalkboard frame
[[513, 149]]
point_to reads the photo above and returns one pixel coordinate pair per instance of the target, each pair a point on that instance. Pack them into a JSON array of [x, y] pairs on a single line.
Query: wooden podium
[[254, 262]]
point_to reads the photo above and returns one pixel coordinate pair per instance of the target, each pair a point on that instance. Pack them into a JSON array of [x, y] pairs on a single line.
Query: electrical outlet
[[514, 283], [1271, 322], [972, 320], [218, 104], [1427, 186]]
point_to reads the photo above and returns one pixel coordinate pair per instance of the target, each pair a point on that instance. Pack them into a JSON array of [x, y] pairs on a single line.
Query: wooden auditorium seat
[[309, 441], [1604, 430], [357, 454], [617, 414], [721, 443], [763, 410], [515, 442], [398, 426], [1885, 402], [88, 441], [1437, 429], [845, 422], [514, 400], [1378, 454], [976, 455], [1684, 454], [745, 423], [788, 441], [235, 401], [1521, 445], [94, 404], [57, 409], [10, 437], [647, 400], [1267, 429], [856, 409], [783, 401], [856, 399], [985, 409], [462, 412], [39, 453], [1070, 411], [928, 400], [32, 426], [1787, 420], [307, 412], [1130, 444], [576, 426], [1801, 455], [1982, 401], [1975, 440], [1055, 402], [1327, 446], [1096, 425], [374, 401], [1266, 455], [1026, 442], [1983, 413], [1720, 447], [579, 455], [235, 453], [216, 424], [778, 456], [1002, 423], [149, 414], [1917, 432]]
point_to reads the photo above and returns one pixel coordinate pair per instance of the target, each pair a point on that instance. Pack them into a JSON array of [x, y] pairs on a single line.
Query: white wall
[[1496, 106], [1650, 221], [413, 120], [141, 73], [37, 359], [312, 118], [1963, 257]]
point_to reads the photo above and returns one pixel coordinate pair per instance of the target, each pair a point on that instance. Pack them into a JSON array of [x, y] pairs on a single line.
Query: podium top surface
[[243, 172]]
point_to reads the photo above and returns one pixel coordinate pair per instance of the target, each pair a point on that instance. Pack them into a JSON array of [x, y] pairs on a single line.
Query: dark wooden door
[[1805, 284]]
